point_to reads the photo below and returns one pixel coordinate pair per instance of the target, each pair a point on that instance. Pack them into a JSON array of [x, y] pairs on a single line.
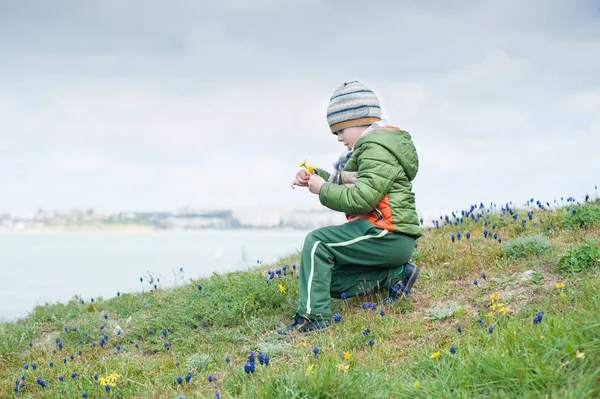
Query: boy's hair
[[352, 104]]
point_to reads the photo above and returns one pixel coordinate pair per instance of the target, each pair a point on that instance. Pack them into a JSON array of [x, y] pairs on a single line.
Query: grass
[[209, 320]]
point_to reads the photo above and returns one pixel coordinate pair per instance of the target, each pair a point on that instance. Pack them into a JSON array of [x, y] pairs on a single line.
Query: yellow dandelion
[[282, 288], [347, 355], [308, 369], [494, 297], [103, 381], [562, 294], [435, 354], [490, 314], [303, 163], [310, 168], [494, 306], [580, 355], [343, 368], [416, 384], [504, 309], [560, 285]]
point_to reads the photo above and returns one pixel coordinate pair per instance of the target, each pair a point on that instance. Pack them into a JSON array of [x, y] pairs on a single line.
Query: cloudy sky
[[152, 105]]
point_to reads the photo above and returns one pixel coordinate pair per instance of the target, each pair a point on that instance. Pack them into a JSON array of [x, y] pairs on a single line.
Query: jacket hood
[[399, 143]]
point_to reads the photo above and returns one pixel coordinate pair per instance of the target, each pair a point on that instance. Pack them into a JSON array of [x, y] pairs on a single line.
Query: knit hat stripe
[[352, 109], [353, 122], [352, 92], [352, 104]]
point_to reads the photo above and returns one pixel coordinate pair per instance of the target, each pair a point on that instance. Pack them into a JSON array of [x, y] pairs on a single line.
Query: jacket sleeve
[[377, 170], [324, 174]]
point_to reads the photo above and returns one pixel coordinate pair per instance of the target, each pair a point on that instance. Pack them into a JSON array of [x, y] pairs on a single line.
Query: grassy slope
[[237, 313]]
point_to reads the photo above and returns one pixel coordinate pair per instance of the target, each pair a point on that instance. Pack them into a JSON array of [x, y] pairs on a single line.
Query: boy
[[371, 183]]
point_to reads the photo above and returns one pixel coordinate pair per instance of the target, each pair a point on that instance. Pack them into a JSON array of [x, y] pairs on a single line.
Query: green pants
[[353, 258]]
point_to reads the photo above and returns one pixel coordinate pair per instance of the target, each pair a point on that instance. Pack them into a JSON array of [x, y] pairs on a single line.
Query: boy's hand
[[301, 178], [315, 182]]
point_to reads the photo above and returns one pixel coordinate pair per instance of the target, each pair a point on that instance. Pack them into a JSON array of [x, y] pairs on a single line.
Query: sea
[[39, 267]]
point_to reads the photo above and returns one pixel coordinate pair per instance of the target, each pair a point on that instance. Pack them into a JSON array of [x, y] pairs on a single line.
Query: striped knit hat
[[352, 104]]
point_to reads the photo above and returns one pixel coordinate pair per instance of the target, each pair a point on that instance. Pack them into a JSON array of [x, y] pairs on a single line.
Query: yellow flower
[[301, 344], [562, 294], [579, 355], [343, 368], [311, 169], [560, 285], [504, 309], [303, 164], [282, 288], [435, 354], [416, 384], [347, 355], [494, 297], [490, 314], [308, 369], [110, 380], [494, 306]]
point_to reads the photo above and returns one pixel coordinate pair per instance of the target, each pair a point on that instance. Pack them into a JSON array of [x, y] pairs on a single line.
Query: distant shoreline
[[129, 228]]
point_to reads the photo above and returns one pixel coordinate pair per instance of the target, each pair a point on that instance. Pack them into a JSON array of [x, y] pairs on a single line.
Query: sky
[[157, 105]]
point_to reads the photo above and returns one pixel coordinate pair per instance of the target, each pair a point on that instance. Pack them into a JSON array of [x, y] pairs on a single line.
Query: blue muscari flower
[[21, 384], [199, 287], [105, 316], [468, 235], [102, 342], [217, 395], [421, 220], [344, 296], [64, 360], [459, 328], [141, 279], [56, 340], [34, 365], [107, 387], [118, 294], [42, 382], [102, 327], [261, 357], [485, 233], [22, 377], [60, 378], [251, 357], [26, 366], [382, 312], [79, 352], [452, 350], [483, 276], [337, 317], [535, 319], [118, 347], [30, 344], [155, 286], [458, 235], [179, 379], [74, 328], [84, 394], [72, 356], [540, 315], [500, 240], [249, 367], [491, 329], [51, 364], [316, 351], [574, 211], [16, 388], [167, 345], [211, 378], [164, 332], [137, 345], [495, 236], [92, 299], [481, 321], [227, 360], [73, 374], [364, 305], [96, 377], [366, 332], [405, 290], [452, 237], [82, 301], [371, 342], [475, 282], [188, 377], [267, 359], [66, 329], [94, 344], [80, 341], [151, 331]]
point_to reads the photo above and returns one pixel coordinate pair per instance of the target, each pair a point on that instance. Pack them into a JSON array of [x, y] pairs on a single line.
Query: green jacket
[[376, 182]]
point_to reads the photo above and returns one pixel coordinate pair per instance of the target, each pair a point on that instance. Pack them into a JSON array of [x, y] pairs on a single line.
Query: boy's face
[[350, 135]]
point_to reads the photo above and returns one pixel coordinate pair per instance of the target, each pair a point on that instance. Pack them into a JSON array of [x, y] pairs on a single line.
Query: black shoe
[[301, 324], [402, 288]]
